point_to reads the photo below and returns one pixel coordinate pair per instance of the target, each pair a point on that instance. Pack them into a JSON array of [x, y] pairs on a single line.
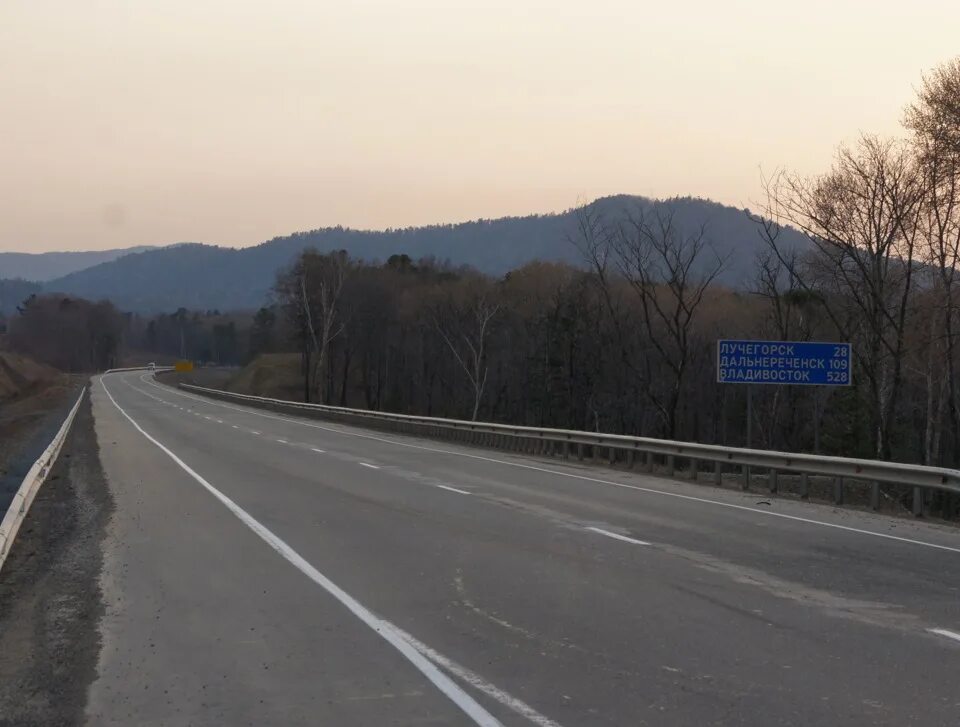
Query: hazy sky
[[126, 122]]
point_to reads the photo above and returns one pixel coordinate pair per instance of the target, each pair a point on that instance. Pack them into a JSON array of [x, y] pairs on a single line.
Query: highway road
[[265, 569]]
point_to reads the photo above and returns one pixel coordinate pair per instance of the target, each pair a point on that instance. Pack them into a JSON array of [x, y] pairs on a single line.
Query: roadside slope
[[34, 399], [50, 600]]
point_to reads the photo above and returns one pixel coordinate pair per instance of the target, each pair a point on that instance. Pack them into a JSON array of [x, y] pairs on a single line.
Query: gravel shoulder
[[50, 598]]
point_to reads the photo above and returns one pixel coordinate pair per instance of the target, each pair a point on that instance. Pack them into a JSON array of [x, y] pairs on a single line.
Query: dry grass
[[20, 375], [271, 374]]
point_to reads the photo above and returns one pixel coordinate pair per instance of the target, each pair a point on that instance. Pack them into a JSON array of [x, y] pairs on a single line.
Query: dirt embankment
[[34, 399], [50, 599], [19, 376]]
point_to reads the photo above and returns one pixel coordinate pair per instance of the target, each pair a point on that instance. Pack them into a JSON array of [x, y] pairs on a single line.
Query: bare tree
[[862, 219], [670, 272], [594, 239], [934, 120], [310, 293], [463, 318]]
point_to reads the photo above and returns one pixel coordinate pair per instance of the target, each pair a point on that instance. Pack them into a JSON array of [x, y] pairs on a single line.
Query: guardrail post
[[694, 469], [631, 458], [613, 456], [671, 465], [566, 450], [717, 473], [918, 501], [838, 491], [774, 484], [804, 485], [648, 465], [746, 478], [874, 495], [580, 451]]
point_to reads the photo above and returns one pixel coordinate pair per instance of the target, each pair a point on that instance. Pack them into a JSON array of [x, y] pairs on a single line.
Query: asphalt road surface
[[265, 569]]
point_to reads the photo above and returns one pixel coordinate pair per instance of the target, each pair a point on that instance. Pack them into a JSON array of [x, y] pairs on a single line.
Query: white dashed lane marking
[[454, 489], [617, 536]]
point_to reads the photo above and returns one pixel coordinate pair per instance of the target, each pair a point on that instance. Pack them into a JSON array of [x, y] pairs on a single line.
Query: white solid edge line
[[383, 628], [945, 632], [367, 464], [283, 441], [318, 451], [617, 536], [470, 677], [479, 683], [453, 489], [638, 488]]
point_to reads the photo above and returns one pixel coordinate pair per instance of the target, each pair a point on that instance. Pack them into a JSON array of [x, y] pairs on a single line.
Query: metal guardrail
[[157, 369], [37, 474], [571, 443]]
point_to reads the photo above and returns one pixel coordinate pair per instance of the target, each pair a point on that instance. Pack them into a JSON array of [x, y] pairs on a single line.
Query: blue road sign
[[783, 362]]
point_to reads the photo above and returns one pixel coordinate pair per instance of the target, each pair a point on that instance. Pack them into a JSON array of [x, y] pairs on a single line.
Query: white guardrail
[[20, 505], [37, 475], [623, 448]]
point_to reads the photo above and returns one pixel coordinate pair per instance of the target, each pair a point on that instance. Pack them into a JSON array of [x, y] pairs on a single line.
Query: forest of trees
[[72, 334], [626, 342], [76, 335]]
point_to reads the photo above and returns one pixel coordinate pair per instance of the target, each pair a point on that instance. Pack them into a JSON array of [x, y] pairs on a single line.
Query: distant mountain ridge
[[44, 266], [210, 277]]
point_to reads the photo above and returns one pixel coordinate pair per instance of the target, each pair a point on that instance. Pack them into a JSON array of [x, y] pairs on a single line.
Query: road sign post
[[798, 363]]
